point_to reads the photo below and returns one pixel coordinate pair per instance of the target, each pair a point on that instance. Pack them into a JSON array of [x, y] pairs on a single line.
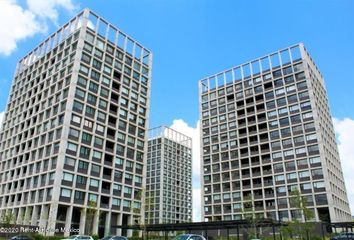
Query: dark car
[[114, 238], [344, 236], [21, 237]]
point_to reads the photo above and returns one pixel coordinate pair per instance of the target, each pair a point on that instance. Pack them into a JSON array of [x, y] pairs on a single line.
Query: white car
[[189, 237], [114, 238], [78, 237]]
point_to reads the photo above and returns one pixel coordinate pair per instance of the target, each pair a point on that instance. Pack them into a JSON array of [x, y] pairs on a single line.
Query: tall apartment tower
[[169, 177], [267, 131], [75, 130]]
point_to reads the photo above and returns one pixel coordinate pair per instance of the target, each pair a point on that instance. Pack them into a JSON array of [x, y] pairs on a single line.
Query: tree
[[90, 211], [139, 217], [249, 214], [8, 218], [300, 225]]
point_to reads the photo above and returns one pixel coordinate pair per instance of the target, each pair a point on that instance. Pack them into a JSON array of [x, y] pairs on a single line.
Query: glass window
[[319, 184], [127, 190], [300, 150], [317, 172], [288, 153], [76, 119], [96, 168], [84, 69], [311, 137], [78, 106], [88, 123], [72, 146], [93, 87], [103, 103], [79, 93], [86, 137], [84, 151], [315, 160], [126, 203], [93, 197], [91, 99], [83, 165], [98, 141], [307, 115], [94, 182], [89, 37], [277, 155], [303, 174], [291, 176], [70, 161], [313, 148], [74, 133], [116, 201], [68, 176], [306, 186], [97, 154], [90, 110], [279, 177], [99, 128], [80, 179], [65, 192]]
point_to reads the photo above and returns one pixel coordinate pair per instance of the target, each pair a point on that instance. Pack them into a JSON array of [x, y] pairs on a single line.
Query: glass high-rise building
[[74, 134], [168, 177], [266, 131]]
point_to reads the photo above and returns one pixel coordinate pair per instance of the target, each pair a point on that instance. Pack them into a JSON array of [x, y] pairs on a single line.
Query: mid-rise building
[[74, 134], [168, 177], [266, 131]]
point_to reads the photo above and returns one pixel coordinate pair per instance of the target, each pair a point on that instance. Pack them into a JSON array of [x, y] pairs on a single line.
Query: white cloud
[[181, 126], [2, 114], [18, 23], [48, 9], [345, 134], [15, 24]]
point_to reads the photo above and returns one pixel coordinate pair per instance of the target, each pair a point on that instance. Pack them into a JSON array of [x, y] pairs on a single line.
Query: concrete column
[[107, 225], [82, 221], [34, 217], [119, 223], [44, 217], [52, 219], [69, 214], [96, 221], [15, 213], [28, 214], [20, 216], [130, 222]]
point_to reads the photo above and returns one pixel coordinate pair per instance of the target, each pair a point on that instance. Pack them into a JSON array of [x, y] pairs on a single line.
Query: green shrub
[[95, 237], [37, 237], [315, 237], [134, 238]]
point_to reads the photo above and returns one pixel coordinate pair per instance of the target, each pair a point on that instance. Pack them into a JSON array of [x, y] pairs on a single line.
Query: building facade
[[266, 132], [74, 133], [169, 177]]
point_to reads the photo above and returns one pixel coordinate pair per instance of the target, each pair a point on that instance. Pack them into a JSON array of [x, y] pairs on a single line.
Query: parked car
[[344, 236], [189, 237], [114, 238], [21, 237], [79, 237]]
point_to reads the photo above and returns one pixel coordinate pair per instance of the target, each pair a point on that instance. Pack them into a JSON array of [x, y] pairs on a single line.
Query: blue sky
[[194, 39]]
